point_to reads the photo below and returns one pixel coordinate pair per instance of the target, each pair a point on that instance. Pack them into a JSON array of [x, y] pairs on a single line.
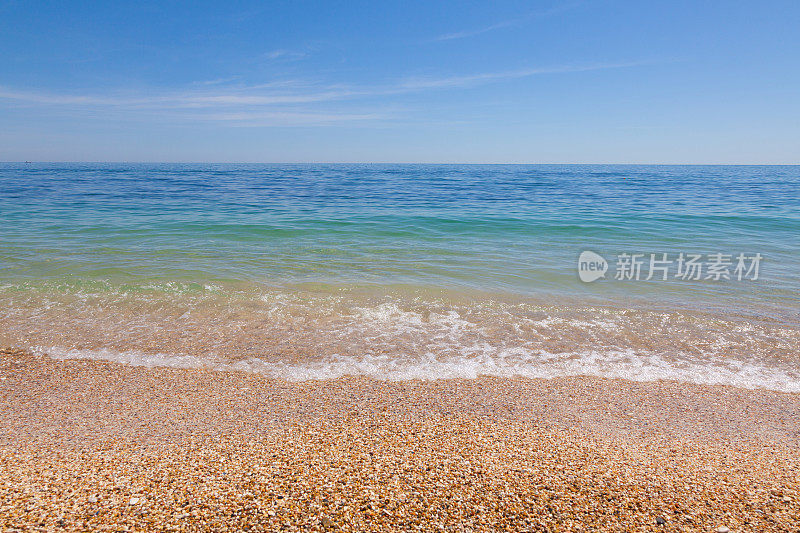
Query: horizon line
[[142, 162]]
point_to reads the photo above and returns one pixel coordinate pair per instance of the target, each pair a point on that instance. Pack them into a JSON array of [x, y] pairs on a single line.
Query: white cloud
[[506, 23], [279, 102], [218, 81], [287, 55], [471, 33], [487, 77], [185, 99], [251, 119]]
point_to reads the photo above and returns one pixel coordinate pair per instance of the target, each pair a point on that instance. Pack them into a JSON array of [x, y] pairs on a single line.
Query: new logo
[[591, 266]]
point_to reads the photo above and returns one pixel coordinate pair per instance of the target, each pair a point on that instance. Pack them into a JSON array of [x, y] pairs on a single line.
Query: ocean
[[408, 271]]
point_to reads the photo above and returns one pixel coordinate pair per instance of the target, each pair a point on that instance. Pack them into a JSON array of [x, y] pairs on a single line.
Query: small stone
[[327, 522], [786, 499], [660, 520], [722, 529], [92, 499], [133, 501], [271, 513]]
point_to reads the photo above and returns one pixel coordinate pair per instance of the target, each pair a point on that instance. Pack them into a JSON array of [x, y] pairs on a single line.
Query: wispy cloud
[[33, 97], [487, 77], [234, 99], [286, 55], [507, 23], [278, 118], [184, 99], [241, 109], [472, 33], [255, 96], [217, 81], [284, 102]]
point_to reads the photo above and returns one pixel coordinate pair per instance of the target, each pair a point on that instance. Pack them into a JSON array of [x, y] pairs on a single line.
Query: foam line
[[508, 363]]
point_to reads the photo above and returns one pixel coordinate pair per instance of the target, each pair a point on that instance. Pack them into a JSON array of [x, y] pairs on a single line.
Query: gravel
[[88, 445]]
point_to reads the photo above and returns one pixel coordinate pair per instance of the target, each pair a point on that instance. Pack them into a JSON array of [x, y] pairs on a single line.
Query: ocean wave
[[625, 364]]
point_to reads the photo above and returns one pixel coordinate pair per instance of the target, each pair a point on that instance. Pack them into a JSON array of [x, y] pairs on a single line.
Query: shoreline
[[88, 444]]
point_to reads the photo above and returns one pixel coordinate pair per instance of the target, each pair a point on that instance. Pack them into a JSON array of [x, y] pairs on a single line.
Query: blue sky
[[412, 81]]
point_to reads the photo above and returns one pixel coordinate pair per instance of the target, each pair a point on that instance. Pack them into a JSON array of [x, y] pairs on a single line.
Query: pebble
[[355, 454]]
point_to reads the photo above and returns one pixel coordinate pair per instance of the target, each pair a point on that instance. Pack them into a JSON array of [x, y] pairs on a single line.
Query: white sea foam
[[478, 361], [398, 338]]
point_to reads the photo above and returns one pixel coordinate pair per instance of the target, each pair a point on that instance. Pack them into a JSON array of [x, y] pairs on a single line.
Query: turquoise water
[[401, 270]]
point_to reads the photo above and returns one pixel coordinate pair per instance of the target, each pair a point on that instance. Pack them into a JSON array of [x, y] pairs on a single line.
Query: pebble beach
[[100, 446], [452, 267]]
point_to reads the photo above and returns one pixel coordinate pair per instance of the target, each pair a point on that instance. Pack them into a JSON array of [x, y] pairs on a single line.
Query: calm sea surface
[[404, 271]]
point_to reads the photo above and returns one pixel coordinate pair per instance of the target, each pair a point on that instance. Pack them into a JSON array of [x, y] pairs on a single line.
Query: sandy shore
[[88, 445]]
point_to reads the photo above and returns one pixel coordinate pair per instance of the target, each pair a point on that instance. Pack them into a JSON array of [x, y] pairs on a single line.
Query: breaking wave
[[512, 363]]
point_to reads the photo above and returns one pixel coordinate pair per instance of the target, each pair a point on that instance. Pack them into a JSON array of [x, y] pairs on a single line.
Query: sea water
[[407, 271]]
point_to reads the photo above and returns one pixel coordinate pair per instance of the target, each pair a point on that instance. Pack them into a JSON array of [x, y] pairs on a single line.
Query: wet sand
[[88, 445]]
